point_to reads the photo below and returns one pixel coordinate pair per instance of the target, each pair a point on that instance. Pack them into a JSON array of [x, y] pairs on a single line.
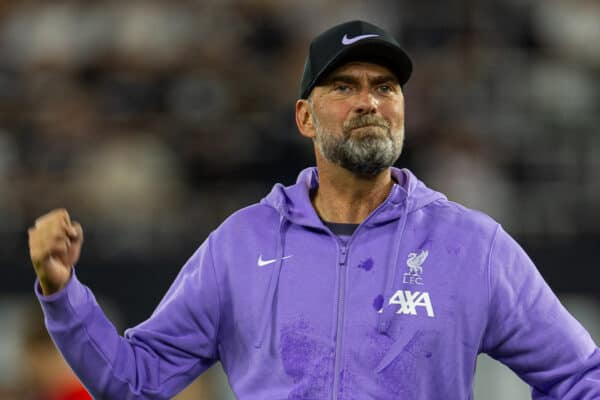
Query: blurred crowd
[[151, 121]]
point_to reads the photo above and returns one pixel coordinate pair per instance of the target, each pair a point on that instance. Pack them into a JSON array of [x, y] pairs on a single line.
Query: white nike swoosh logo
[[346, 40], [262, 263]]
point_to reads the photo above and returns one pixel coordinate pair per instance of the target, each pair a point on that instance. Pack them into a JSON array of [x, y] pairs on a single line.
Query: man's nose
[[366, 102]]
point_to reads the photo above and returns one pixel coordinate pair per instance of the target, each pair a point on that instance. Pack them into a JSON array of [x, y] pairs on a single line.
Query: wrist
[[48, 288]]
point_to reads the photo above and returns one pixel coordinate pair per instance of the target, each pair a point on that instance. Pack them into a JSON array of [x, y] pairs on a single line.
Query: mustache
[[366, 120]]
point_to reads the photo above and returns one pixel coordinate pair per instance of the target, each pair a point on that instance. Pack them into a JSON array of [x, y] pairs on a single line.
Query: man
[[357, 282]]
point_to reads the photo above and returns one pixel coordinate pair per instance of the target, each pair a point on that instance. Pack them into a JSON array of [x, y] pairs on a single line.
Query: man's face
[[358, 115]]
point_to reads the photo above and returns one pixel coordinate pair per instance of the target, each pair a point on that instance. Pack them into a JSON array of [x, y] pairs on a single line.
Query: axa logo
[[410, 303]]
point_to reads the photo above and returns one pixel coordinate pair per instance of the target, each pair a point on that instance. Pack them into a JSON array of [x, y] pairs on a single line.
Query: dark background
[[153, 121]]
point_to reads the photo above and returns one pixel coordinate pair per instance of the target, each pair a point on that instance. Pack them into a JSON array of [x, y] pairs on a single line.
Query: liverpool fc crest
[[415, 268]]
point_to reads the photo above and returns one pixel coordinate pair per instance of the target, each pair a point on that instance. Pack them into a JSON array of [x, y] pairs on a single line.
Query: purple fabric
[[292, 312]]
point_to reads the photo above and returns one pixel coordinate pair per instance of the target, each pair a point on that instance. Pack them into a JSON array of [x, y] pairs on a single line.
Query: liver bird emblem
[[415, 262]]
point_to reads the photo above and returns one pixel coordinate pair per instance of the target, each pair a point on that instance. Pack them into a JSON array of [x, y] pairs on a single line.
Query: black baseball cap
[[353, 41]]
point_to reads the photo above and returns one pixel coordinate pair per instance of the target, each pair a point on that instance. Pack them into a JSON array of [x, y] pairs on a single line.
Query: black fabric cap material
[[353, 41]]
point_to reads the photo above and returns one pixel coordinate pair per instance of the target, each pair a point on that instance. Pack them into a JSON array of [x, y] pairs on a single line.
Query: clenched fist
[[54, 246]]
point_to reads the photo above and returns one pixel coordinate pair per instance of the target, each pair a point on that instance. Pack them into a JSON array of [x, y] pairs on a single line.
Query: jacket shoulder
[[463, 218], [248, 220]]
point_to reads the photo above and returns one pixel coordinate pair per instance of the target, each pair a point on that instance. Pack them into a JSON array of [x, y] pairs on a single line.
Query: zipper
[[344, 249], [339, 335]]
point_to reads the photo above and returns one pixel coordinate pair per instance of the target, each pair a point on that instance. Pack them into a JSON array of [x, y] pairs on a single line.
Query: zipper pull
[[343, 255]]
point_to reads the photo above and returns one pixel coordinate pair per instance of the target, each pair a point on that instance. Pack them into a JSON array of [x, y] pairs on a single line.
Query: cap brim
[[368, 50]]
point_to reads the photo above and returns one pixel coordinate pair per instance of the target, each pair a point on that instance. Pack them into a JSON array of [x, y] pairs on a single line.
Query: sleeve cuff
[[62, 307]]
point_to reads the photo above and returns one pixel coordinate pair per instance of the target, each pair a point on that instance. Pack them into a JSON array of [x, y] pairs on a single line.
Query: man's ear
[[304, 119]]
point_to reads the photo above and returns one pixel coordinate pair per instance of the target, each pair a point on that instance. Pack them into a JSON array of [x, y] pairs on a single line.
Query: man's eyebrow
[[384, 79], [340, 78], [350, 79]]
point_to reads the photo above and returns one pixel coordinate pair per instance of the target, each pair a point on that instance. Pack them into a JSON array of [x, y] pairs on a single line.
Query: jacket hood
[[293, 202]]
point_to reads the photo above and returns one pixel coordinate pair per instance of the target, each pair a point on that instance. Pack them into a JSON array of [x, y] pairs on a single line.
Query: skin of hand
[[54, 247]]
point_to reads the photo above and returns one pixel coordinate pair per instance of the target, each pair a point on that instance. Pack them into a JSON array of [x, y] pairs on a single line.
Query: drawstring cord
[[383, 321], [269, 300]]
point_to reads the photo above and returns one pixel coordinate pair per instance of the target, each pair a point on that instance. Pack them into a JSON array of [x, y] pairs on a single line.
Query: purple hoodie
[[399, 311]]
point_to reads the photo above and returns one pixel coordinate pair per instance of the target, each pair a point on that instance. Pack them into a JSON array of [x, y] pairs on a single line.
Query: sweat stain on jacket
[[305, 358], [367, 264]]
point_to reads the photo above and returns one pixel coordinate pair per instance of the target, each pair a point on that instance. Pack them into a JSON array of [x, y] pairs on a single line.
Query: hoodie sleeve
[[532, 333], [153, 360]]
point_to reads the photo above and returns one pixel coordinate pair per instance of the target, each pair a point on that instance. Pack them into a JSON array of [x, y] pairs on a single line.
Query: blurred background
[[152, 121]]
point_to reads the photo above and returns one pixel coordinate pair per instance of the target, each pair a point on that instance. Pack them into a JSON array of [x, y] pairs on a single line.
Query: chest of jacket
[[328, 298]]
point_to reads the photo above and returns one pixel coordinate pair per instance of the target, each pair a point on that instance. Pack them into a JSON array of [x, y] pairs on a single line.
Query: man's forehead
[[358, 69]]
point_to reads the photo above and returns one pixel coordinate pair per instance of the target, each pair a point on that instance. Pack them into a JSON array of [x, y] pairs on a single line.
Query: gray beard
[[365, 155]]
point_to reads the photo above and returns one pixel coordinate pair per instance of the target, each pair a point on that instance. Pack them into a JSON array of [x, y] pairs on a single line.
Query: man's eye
[[342, 88], [385, 89]]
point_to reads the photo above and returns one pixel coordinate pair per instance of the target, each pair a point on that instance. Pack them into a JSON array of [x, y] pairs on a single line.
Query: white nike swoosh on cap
[[346, 40], [262, 263]]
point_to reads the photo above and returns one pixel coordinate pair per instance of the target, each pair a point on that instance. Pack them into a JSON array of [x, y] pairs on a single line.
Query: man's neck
[[344, 197]]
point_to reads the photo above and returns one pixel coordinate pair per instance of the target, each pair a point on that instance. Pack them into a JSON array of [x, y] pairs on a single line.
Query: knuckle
[[58, 249], [59, 228], [60, 240], [58, 235], [56, 214], [64, 213]]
